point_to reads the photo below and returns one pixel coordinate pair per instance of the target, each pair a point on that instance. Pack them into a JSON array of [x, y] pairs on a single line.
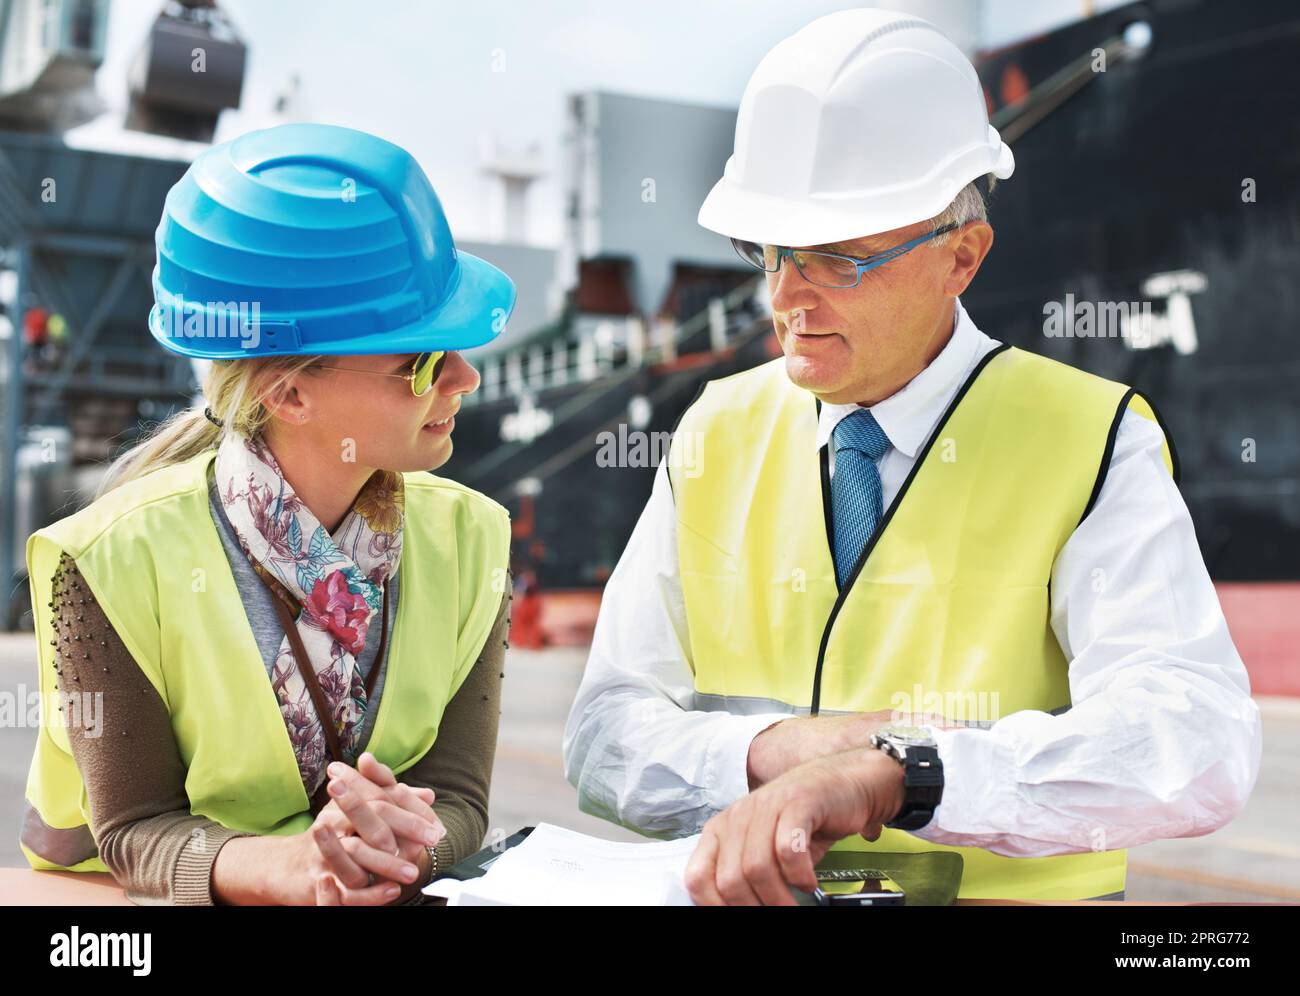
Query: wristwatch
[[917, 752]]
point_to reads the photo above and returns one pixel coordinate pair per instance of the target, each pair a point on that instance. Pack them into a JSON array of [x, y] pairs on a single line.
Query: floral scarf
[[336, 580]]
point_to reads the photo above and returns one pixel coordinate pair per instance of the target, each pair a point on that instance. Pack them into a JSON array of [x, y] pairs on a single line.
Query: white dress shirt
[[1162, 739]]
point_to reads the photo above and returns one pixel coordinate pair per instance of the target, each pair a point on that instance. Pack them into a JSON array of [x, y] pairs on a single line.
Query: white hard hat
[[861, 122]]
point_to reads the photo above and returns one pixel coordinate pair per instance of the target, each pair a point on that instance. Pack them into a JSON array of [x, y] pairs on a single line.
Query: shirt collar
[[908, 415]]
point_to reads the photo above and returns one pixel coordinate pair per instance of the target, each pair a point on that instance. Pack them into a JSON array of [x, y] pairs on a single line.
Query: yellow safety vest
[[151, 553], [948, 610]]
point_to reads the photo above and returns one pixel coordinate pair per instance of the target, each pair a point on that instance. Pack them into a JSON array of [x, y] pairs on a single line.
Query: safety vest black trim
[[1107, 453], [888, 517], [1169, 438], [823, 460]]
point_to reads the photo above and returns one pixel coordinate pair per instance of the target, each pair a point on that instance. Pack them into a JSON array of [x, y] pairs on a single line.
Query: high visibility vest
[[948, 610], [151, 554]]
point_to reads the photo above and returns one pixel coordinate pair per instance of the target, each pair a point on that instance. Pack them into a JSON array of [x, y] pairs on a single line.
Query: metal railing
[[610, 349], [610, 372]]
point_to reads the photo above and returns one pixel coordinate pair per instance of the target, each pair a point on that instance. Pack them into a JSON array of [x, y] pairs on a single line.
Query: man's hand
[[798, 740], [776, 835]]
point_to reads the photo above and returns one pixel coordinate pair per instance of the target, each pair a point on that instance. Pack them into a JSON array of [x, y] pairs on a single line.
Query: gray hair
[[968, 205]]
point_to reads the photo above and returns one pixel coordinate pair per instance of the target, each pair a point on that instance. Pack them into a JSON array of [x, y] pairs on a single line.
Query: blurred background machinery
[[76, 250], [189, 70]]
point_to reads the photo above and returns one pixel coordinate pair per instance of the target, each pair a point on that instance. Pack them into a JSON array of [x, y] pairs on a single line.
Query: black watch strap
[[922, 787]]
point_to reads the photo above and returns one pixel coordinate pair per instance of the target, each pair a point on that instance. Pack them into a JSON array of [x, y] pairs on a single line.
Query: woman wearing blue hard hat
[[274, 640]]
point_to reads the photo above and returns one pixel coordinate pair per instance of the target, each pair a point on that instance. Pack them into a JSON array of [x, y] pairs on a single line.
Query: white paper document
[[559, 867]]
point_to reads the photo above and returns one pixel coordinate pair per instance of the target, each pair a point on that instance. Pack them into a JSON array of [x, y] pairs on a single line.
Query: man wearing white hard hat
[[904, 519]]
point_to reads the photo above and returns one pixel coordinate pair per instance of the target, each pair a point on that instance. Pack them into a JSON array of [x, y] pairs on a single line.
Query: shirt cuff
[[979, 788], [192, 879], [726, 759]]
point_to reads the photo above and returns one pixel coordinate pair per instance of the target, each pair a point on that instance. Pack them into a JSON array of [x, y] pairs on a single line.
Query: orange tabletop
[[25, 887]]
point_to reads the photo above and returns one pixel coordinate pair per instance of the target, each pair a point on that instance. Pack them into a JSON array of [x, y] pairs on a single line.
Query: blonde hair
[[234, 390]]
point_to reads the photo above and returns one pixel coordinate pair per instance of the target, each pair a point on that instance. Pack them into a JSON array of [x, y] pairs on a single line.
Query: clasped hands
[[368, 841]]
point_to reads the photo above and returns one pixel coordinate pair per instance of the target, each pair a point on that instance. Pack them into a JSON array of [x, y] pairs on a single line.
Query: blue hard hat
[[310, 238]]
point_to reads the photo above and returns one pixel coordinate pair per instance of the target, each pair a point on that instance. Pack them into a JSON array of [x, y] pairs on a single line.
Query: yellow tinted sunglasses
[[424, 371]]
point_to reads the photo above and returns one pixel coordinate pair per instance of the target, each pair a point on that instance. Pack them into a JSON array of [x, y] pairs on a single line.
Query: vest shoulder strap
[[425, 485], [76, 532]]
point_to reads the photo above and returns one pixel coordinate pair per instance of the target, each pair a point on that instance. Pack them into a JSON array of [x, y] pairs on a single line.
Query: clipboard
[[928, 878], [477, 864]]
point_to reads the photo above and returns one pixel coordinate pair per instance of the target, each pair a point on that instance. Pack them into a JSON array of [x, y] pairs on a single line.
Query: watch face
[[907, 734]]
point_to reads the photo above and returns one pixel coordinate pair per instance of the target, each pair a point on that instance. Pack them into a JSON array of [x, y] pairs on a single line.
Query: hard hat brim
[[754, 217], [732, 210], [474, 313]]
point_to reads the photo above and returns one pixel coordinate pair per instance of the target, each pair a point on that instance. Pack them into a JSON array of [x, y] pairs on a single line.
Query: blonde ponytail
[[234, 390]]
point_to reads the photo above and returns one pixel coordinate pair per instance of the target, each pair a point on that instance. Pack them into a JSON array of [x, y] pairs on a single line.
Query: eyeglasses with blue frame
[[827, 269]]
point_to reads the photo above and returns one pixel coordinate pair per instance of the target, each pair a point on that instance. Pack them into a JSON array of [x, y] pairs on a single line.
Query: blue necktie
[[855, 489]]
